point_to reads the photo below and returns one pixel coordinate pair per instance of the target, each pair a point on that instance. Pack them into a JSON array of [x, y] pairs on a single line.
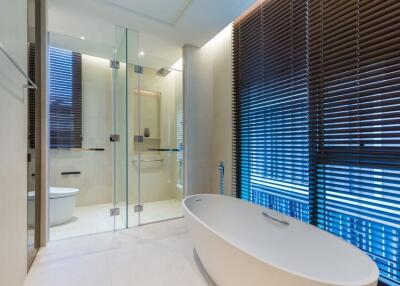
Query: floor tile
[[96, 218], [149, 255]]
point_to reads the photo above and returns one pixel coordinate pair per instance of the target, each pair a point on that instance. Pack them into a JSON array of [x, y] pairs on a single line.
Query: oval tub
[[239, 245]]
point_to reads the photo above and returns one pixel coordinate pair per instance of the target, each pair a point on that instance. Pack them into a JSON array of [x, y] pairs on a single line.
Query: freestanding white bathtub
[[244, 244]]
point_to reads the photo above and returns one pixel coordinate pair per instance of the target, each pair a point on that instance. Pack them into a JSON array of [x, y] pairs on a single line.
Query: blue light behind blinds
[[354, 59], [65, 98], [316, 118], [271, 47]]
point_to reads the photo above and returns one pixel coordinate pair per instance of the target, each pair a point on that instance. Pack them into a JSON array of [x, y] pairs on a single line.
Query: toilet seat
[[57, 192]]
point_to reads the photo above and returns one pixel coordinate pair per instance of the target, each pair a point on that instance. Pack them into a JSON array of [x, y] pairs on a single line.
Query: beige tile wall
[[13, 151], [208, 114]]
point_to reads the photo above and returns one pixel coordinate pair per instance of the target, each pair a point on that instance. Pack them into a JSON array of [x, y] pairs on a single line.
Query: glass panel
[[133, 112], [158, 101], [120, 178], [82, 180]]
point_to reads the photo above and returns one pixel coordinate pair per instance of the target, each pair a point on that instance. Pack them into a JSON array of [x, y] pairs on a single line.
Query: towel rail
[[8, 56]]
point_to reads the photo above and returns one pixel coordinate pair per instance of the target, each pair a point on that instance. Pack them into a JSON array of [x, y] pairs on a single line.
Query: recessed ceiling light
[[82, 37], [141, 53]]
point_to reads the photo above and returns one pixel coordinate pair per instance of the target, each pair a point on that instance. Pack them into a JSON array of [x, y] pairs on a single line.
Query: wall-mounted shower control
[[221, 169]]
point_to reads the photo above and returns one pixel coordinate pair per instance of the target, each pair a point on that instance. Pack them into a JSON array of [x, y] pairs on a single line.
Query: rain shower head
[[163, 72]]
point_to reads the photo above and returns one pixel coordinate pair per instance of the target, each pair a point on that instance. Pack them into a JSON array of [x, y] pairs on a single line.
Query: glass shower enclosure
[[88, 135], [116, 129], [155, 124]]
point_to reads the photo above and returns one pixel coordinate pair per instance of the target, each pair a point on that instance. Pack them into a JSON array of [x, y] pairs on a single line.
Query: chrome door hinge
[[114, 212], [138, 208], [114, 137], [138, 69], [114, 64]]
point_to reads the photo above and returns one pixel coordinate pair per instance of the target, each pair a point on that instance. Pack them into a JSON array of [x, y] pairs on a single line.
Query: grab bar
[[32, 84], [275, 219], [155, 160]]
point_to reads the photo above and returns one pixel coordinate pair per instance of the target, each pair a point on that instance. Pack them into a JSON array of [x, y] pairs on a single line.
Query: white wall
[[208, 114], [221, 49], [198, 120], [13, 128]]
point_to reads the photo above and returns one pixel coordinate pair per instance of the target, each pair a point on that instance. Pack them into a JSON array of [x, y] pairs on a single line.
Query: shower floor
[[96, 218]]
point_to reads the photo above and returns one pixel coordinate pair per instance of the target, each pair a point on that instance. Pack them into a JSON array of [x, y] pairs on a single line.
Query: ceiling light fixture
[[141, 53], [82, 37]]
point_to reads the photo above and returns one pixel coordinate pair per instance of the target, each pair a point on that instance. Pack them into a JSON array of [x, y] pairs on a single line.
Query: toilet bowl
[[61, 205]]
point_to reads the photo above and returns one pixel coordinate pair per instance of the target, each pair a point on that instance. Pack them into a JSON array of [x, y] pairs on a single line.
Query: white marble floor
[[149, 255], [156, 211], [96, 218]]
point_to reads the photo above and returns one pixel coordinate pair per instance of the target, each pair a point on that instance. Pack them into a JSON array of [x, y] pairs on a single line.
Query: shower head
[[163, 72]]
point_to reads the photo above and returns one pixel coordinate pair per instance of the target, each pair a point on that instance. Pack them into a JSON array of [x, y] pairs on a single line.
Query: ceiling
[[166, 14], [163, 26]]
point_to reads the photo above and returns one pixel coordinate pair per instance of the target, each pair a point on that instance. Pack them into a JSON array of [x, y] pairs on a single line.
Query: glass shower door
[[134, 138], [120, 102], [92, 172], [157, 102]]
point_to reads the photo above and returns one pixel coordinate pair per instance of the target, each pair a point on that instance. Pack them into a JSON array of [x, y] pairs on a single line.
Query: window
[[355, 108], [179, 143], [65, 99], [327, 153], [271, 93], [31, 95]]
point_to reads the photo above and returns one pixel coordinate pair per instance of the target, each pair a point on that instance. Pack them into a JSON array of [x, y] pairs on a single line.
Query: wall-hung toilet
[[61, 205]]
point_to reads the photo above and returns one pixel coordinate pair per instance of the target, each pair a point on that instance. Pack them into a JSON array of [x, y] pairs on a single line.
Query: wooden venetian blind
[[31, 95], [316, 118], [271, 107], [65, 99], [354, 52]]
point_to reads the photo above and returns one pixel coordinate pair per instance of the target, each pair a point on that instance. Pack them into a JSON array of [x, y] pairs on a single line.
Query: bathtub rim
[[374, 277]]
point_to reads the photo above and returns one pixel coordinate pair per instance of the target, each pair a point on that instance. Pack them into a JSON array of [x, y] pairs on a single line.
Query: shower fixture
[[163, 72]]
